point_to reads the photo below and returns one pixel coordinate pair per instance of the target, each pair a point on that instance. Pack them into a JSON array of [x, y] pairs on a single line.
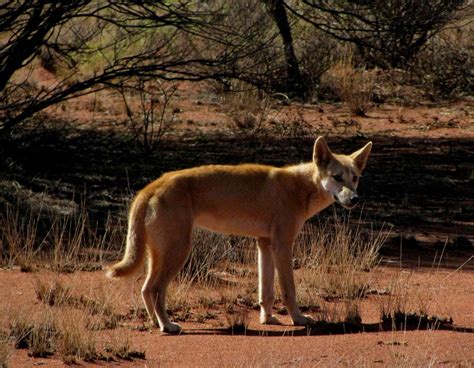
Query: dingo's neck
[[318, 198]]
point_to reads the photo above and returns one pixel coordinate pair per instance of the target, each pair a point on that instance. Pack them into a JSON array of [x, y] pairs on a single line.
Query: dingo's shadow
[[411, 323]]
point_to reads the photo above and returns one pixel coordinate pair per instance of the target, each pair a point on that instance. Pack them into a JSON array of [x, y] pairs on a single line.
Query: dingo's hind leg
[[167, 256], [147, 294], [266, 278]]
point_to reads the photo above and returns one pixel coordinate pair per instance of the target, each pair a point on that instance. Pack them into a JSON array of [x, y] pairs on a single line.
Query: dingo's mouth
[[347, 206]]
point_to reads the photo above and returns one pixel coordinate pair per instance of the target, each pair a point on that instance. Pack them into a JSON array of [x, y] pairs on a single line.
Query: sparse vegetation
[[444, 67], [247, 111], [56, 294], [149, 110], [336, 263], [385, 34], [73, 334], [63, 243], [262, 43], [21, 238], [99, 98], [352, 85]]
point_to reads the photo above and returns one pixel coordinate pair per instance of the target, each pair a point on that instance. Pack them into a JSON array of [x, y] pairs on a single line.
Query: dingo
[[265, 202]]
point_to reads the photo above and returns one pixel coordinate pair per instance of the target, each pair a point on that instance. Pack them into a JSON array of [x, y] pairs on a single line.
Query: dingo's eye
[[337, 178]]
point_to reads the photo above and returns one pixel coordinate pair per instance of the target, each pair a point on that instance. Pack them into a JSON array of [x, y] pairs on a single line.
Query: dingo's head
[[339, 174]]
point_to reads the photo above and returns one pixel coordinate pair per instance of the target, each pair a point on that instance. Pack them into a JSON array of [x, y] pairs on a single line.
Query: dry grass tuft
[[56, 294], [21, 237], [63, 243], [401, 321], [353, 86], [53, 293], [42, 340], [237, 317], [209, 251], [179, 309], [336, 261], [107, 322], [5, 349], [39, 337], [121, 349], [77, 342], [20, 331], [247, 109]]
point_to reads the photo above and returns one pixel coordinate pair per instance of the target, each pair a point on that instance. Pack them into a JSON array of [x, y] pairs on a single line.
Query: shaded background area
[[422, 188]]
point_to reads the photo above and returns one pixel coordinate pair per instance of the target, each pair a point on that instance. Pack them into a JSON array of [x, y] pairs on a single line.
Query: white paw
[[303, 320], [171, 328], [269, 320]]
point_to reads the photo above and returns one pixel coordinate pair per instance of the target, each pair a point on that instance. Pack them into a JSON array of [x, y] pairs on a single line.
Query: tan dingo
[[265, 202]]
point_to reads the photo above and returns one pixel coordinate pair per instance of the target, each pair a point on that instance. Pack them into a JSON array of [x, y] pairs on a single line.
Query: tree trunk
[[295, 82]]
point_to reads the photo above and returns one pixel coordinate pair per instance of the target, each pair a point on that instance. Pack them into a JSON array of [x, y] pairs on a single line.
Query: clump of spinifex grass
[[99, 307], [53, 293], [37, 336], [77, 342]]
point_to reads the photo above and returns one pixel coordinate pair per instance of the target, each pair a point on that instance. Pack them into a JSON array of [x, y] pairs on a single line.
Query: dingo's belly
[[233, 225]]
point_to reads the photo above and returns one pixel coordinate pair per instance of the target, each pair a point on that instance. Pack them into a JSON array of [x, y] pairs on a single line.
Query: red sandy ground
[[197, 110], [442, 292]]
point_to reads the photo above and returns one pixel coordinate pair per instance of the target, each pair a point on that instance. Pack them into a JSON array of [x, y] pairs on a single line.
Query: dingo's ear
[[360, 157], [321, 152]]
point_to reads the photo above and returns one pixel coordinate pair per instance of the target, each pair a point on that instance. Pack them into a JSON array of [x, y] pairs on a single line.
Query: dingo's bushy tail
[[135, 248]]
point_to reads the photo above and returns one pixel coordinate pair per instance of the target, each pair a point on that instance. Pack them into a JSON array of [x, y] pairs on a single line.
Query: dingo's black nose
[[354, 200]]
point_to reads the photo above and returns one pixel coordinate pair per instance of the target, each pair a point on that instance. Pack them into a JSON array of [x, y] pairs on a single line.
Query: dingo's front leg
[[282, 255], [266, 277]]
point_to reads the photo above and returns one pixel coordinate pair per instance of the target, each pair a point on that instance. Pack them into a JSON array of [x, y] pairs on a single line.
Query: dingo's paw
[[303, 320], [269, 320], [171, 328]]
